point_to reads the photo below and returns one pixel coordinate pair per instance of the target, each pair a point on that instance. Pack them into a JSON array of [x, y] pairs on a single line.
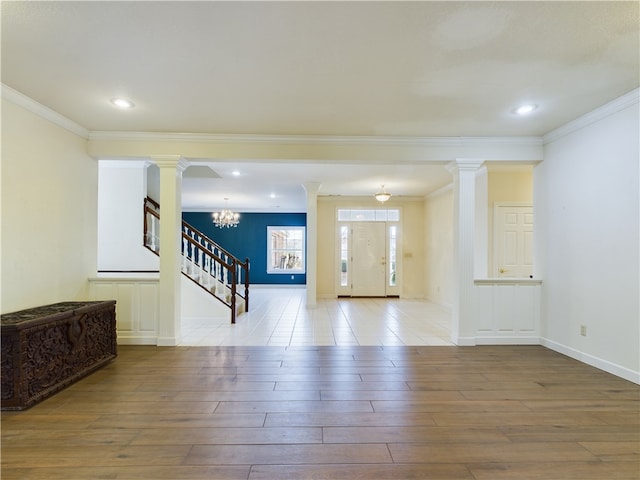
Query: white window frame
[[301, 251]]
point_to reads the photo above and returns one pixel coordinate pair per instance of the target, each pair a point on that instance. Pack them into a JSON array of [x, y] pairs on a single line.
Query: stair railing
[[204, 261]]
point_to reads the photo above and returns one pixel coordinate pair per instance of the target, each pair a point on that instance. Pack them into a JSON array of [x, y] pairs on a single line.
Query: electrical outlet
[[583, 330]]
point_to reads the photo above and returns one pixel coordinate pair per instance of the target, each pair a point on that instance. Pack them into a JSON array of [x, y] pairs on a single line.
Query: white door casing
[[513, 240]]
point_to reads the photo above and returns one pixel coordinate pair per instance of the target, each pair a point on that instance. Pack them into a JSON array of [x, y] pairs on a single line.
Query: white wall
[[122, 188], [438, 238], [587, 216], [49, 205]]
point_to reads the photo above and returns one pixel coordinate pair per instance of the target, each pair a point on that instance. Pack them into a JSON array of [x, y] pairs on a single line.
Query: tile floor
[[279, 317]]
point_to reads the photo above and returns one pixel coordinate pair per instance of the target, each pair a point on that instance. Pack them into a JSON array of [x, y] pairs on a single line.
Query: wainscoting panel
[[507, 311], [136, 306]]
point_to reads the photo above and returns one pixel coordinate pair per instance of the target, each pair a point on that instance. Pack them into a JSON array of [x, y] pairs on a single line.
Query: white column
[[171, 168], [312, 241], [481, 237], [464, 197]]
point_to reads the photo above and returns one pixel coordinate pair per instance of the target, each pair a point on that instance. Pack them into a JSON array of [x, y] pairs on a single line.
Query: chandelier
[[382, 196], [226, 218]]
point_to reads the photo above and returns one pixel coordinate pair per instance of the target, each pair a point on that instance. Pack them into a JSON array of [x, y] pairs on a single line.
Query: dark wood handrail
[[152, 202], [226, 252]]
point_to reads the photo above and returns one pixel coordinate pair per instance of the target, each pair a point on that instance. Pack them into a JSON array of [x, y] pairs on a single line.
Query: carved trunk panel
[[47, 348]]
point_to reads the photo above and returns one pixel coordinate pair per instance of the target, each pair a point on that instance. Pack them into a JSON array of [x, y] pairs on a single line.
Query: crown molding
[[42, 111], [312, 139], [620, 103]]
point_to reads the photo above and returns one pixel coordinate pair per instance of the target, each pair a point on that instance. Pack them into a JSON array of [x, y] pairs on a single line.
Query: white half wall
[[587, 229]]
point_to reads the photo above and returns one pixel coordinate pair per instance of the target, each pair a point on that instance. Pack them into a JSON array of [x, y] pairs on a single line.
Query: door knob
[[502, 270]]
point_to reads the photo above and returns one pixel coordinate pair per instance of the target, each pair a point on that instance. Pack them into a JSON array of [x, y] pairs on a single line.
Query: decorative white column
[[464, 197], [171, 168], [481, 237], [312, 241]]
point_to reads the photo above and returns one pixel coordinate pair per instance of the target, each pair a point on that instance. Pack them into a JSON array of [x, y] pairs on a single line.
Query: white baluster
[[185, 253]]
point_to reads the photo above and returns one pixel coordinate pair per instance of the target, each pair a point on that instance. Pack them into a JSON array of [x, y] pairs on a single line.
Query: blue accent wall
[[249, 239]]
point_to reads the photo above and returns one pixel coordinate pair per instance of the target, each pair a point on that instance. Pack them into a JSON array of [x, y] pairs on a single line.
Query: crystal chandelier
[[382, 196], [226, 218]]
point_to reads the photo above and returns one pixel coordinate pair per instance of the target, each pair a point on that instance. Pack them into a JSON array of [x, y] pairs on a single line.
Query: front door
[[368, 265], [513, 254]]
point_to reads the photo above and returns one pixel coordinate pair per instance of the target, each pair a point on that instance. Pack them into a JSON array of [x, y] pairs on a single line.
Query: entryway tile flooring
[[279, 317]]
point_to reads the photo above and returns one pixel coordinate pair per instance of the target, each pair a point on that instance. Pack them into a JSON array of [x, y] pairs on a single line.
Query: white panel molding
[[136, 306], [54, 117], [507, 312], [620, 103], [605, 365]]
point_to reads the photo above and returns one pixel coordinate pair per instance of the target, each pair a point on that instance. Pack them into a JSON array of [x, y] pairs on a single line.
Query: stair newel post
[[246, 284]]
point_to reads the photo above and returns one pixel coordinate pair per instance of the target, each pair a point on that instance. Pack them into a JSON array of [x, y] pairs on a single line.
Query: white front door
[[513, 241], [368, 264]]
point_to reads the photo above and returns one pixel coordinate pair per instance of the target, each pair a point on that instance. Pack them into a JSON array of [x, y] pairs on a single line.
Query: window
[[368, 215], [285, 249]]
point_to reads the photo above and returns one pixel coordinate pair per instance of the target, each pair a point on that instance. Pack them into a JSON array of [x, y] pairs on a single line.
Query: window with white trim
[[286, 250]]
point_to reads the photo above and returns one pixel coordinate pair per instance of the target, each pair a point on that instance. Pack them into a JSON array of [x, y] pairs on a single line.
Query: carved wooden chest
[[45, 349]]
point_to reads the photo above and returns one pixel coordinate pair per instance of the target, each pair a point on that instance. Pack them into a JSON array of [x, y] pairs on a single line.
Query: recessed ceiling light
[[273, 195], [235, 173], [123, 103], [525, 109]]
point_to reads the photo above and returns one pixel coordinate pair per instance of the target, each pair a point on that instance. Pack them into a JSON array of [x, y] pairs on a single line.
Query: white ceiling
[[426, 69]]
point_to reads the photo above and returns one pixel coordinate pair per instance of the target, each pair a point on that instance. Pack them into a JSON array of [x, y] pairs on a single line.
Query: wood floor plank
[[347, 419], [413, 434], [228, 436], [54, 455], [465, 453], [287, 455], [171, 421], [360, 472], [295, 406], [556, 471], [149, 472]]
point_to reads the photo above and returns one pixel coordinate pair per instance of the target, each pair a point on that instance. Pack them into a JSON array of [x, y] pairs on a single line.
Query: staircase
[[204, 262]]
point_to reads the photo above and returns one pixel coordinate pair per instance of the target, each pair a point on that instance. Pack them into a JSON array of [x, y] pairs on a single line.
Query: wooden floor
[[318, 412]]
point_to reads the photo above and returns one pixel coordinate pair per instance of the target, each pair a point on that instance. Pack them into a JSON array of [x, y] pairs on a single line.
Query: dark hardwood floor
[[483, 413]]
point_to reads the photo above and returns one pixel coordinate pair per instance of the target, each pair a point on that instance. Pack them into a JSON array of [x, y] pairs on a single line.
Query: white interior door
[[368, 264], [513, 253]]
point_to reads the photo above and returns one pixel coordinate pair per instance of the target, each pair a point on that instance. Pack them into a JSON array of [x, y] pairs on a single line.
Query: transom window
[[285, 249], [368, 215]]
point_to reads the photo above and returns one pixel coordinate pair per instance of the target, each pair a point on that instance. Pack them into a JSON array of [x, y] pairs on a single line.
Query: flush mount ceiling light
[[383, 195], [525, 109], [123, 103]]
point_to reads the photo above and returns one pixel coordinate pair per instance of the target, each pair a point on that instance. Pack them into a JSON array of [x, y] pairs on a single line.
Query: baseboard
[[137, 340], [513, 340], [463, 341], [600, 363], [168, 341]]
